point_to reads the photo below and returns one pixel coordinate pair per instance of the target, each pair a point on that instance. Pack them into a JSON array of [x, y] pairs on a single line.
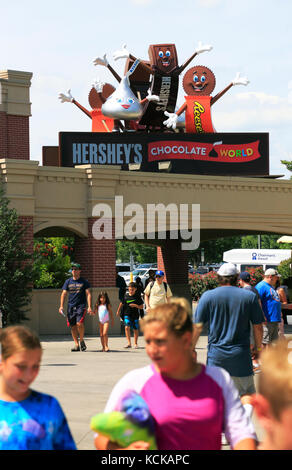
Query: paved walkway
[[82, 381]]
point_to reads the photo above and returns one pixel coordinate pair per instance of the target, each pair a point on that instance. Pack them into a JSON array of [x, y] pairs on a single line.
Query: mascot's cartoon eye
[[203, 78], [168, 54], [119, 100], [130, 100], [160, 53], [195, 78]]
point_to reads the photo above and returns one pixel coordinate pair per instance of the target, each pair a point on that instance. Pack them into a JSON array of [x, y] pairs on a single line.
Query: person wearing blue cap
[[157, 292]]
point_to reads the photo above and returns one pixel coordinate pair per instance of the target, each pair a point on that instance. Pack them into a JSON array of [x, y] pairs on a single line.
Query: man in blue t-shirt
[[79, 295], [271, 305], [228, 312]]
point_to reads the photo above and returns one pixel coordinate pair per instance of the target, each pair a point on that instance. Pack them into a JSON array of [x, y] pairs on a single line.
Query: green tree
[[288, 165], [284, 269], [16, 271], [142, 253], [266, 241], [214, 249]]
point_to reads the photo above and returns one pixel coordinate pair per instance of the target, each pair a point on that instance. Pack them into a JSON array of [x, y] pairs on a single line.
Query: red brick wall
[[97, 258], [28, 235], [14, 136], [3, 135]]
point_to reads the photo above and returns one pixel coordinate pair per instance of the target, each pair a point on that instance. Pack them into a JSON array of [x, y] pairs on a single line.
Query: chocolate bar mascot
[[198, 83], [165, 71], [96, 98]]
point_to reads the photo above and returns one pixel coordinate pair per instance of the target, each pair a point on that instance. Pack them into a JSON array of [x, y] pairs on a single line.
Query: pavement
[[82, 381]]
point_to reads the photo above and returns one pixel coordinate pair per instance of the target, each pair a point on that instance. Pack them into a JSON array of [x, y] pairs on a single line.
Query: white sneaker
[[224, 441]]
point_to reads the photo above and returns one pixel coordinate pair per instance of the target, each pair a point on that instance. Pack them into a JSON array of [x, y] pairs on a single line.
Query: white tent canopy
[[285, 239]]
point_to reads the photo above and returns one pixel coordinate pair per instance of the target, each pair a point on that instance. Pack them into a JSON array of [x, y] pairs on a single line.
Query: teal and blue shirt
[[37, 423]]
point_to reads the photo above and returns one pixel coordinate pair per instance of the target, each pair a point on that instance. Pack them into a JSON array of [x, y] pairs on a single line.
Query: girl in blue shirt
[[29, 420]]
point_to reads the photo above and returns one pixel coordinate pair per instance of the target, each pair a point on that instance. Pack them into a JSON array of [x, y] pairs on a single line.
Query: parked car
[[202, 270], [147, 266], [143, 273], [123, 267]]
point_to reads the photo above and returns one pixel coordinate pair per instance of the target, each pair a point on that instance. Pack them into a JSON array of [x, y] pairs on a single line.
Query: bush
[[51, 273], [256, 275], [52, 261], [200, 283], [284, 269]]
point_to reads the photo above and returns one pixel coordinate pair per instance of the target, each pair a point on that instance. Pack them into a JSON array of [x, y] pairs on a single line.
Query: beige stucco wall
[[45, 319], [65, 197], [14, 92]]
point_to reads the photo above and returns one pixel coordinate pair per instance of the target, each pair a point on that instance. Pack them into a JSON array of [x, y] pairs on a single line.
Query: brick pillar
[[174, 262], [97, 258], [14, 114], [27, 221]]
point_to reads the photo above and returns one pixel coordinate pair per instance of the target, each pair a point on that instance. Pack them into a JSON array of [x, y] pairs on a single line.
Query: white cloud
[[247, 119], [208, 3], [141, 2], [262, 98]]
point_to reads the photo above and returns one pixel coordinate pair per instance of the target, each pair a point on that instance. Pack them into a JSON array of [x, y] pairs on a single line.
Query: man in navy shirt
[[228, 312], [79, 294]]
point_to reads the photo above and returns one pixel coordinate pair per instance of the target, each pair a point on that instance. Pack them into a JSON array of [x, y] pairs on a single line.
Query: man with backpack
[[157, 292]]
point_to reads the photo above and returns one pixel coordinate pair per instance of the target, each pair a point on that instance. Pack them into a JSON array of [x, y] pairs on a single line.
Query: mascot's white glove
[[98, 85], [100, 61], [122, 54], [240, 80], [66, 98], [203, 48], [171, 121], [150, 97]]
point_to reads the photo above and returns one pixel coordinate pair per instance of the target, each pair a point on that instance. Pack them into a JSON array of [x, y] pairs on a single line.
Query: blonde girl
[[192, 404]]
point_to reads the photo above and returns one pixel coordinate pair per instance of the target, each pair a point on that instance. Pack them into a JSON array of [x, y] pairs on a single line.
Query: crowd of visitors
[[192, 404]]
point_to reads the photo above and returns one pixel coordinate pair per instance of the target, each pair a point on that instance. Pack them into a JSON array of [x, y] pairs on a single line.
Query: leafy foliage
[[16, 271], [200, 283], [284, 269], [142, 253], [256, 275], [52, 261]]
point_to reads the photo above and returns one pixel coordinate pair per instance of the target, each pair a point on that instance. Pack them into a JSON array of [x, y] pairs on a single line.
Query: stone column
[[15, 109], [174, 262], [97, 257]]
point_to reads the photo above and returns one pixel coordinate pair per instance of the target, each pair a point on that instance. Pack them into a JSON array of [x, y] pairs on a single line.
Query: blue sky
[[58, 41]]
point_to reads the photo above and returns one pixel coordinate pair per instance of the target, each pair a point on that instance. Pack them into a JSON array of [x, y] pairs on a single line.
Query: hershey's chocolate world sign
[[236, 154]]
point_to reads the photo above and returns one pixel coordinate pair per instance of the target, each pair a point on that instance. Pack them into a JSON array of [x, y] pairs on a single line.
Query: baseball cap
[[271, 272], [75, 265], [245, 276], [227, 269], [159, 273]]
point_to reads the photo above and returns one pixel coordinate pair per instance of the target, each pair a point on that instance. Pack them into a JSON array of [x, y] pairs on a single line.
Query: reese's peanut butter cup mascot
[[198, 83], [96, 98], [132, 422]]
